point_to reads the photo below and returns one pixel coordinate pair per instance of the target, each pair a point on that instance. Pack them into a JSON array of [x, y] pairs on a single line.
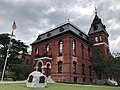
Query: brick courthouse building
[[64, 53]]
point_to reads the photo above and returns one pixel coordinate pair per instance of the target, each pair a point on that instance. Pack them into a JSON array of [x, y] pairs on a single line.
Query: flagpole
[[7, 56]]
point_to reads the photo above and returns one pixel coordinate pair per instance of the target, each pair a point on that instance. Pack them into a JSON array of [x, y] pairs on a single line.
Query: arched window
[[47, 49], [74, 67], [36, 52], [48, 66], [42, 79], [100, 38], [83, 69], [96, 39], [40, 66], [74, 48], [60, 67], [30, 78], [89, 55], [60, 44], [48, 69], [82, 51]]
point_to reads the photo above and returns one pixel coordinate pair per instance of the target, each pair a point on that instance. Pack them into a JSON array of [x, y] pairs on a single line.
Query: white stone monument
[[36, 80]]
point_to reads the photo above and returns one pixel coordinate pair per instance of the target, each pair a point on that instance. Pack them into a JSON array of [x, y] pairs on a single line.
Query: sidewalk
[[13, 81]]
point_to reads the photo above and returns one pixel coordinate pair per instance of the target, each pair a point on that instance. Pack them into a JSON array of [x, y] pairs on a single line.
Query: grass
[[61, 86]]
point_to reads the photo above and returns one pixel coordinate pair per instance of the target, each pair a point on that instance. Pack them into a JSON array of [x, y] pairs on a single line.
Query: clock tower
[[99, 36]]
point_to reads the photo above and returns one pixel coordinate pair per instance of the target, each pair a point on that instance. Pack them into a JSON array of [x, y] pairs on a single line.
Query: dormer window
[[61, 29], [48, 34], [95, 27], [87, 38], [80, 34], [104, 26], [38, 38]]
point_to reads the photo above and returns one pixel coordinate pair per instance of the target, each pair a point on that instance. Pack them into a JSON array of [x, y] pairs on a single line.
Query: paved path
[[61, 84], [13, 81], [88, 85]]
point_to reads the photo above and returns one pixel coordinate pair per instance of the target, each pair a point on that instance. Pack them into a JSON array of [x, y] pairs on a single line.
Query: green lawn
[[22, 86]]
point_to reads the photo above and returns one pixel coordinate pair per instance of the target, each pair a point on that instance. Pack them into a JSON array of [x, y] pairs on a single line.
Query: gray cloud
[[34, 17]]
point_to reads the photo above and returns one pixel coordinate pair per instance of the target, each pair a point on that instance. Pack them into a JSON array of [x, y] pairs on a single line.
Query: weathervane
[[95, 10], [68, 20]]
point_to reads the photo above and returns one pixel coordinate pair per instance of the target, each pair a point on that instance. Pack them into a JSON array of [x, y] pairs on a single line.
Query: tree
[[98, 63], [20, 71], [106, 67], [4, 41], [116, 67], [1, 63], [15, 48]]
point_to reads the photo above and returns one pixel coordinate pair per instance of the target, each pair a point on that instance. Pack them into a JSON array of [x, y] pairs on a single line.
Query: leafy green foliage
[[98, 63], [105, 67], [1, 63], [14, 64], [16, 46], [19, 71]]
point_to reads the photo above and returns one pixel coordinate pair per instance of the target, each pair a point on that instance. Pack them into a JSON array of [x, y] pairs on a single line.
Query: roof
[[66, 27], [97, 26], [36, 74]]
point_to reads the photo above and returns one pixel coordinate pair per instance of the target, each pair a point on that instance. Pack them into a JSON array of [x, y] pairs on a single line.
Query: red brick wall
[[67, 58], [103, 47]]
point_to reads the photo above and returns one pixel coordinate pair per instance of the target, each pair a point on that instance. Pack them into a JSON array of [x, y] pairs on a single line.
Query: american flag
[[14, 26]]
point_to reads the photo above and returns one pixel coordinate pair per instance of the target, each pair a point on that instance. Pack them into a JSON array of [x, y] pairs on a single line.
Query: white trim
[[40, 61], [100, 44], [43, 58], [48, 63], [37, 65], [44, 66], [74, 61]]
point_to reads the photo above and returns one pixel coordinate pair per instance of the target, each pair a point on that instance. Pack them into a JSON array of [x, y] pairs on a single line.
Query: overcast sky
[[34, 17]]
